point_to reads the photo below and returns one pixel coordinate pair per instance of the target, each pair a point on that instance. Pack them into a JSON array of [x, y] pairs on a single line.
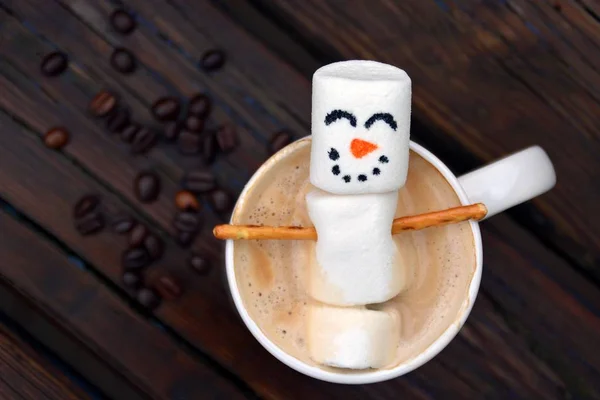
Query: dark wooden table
[[489, 78]]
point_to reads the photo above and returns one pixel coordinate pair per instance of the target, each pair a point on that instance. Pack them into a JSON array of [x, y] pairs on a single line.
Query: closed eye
[[385, 117], [339, 114]]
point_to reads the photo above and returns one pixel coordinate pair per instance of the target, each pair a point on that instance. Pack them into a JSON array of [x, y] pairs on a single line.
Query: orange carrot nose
[[361, 148]]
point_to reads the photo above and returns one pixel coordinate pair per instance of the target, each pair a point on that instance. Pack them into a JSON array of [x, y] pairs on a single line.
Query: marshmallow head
[[360, 127]]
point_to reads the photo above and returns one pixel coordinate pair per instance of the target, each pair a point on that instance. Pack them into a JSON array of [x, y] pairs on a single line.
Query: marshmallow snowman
[[359, 161]]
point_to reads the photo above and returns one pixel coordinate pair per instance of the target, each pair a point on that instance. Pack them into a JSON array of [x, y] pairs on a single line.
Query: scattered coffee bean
[[212, 60], [148, 298], [279, 141], [185, 200], [155, 246], [129, 132], [123, 61], [103, 104], [187, 221], [137, 235], [194, 124], [185, 239], [220, 200], [199, 264], [117, 120], [54, 64], [90, 223], [168, 287], [56, 138], [227, 138], [172, 130], [131, 280], [122, 21], [209, 148], [143, 140], [189, 143], [199, 106], [135, 258], [86, 205], [166, 109], [147, 187], [199, 181], [123, 224]]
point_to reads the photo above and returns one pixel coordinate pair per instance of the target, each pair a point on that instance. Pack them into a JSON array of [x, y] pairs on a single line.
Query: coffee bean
[[227, 138], [194, 124], [168, 287], [122, 21], [220, 200], [187, 221], [172, 130], [185, 239], [135, 258], [143, 140], [90, 223], [185, 200], [123, 224], [199, 181], [279, 141], [212, 60], [166, 109], [123, 61], [199, 106], [103, 104], [129, 132], [148, 298], [155, 246], [199, 264], [189, 143], [54, 64], [137, 235], [117, 120], [56, 138], [209, 148], [131, 280], [147, 187], [86, 205]]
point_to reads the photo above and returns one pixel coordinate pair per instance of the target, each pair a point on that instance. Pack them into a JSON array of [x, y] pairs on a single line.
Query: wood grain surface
[[24, 371], [533, 329]]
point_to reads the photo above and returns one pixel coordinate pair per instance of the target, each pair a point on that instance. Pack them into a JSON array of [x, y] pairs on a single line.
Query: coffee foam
[[272, 275]]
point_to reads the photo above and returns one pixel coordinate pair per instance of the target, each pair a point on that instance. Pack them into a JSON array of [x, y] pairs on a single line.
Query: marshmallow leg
[[352, 337], [356, 261]]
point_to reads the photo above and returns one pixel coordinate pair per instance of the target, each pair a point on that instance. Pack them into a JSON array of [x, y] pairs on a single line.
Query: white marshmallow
[[354, 338], [352, 151], [356, 258]]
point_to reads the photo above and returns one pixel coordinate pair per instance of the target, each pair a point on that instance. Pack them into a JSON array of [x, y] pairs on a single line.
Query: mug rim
[[370, 376]]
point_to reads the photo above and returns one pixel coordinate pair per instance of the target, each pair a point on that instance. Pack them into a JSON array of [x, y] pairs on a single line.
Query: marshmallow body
[[352, 337], [355, 257], [360, 127]]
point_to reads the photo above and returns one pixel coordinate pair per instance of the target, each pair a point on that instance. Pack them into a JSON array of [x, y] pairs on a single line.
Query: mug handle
[[511, 180]]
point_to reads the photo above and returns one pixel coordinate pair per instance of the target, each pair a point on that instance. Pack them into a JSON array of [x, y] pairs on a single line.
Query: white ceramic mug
[[500, 185]]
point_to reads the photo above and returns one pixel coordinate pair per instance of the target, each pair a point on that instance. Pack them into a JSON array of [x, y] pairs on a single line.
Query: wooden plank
[[141, 352], [38, 324], [30, 374], [486, 85]]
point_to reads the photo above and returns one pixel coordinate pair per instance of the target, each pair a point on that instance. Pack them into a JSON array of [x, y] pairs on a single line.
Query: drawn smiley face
[[359, 148]]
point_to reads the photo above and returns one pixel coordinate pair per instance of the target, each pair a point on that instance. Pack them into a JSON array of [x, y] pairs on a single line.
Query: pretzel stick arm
[[414, 222]]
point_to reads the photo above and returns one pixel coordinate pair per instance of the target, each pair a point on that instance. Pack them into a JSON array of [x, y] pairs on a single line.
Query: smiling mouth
[[334, 155]]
